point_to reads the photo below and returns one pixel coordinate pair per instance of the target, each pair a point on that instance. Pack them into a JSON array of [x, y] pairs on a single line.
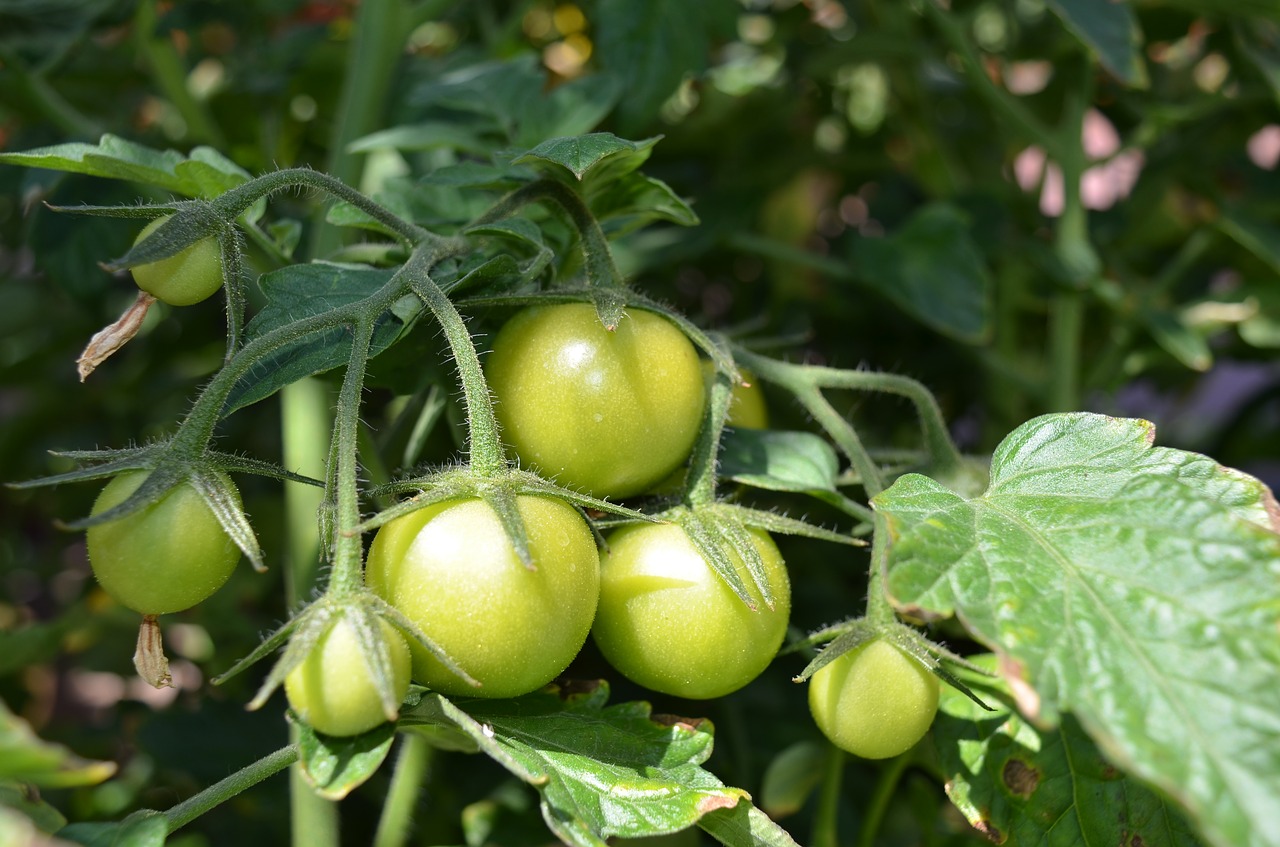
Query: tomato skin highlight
[[451, 569], [668, 622], [184, 279], [162, 558], [607, 413], [874, 701], [332, 690]]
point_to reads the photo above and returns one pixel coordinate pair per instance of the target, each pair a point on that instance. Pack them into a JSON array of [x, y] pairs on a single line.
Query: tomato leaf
[[25, 757], [593, 158], [337, 766], [602, 771], [1134, 586], [1019, 785], [745, 826], [933, 271], [1111, 30], [297, 292]]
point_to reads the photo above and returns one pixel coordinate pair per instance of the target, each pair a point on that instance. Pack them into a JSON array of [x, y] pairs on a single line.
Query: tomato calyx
[[849, 635], [498, 490]]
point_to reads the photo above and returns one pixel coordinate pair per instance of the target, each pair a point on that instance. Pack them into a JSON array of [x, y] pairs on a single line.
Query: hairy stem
[[223, 790], [410, 774], [597, 257], [346, 577], [487, 457]]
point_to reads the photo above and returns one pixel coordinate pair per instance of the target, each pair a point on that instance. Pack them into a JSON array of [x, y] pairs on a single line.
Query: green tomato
[[747, 409], [165, 557], [874, 701], [670, 623], [333, 691], [188, 277], [451, 569], [609, 413]]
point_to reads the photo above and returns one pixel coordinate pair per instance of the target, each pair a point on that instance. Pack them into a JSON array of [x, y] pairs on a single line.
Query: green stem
[[487, 458], [880, 799], [233, 203], [314, 819], [223, 790], [1004, 103], [410, 774], [346, 576], [168, 71], [597, 257], [826, 823], [305, 414], [701, 485], [1066, 324]]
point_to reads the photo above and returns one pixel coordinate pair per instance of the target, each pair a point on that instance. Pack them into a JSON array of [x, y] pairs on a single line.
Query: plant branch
[[223, 790]]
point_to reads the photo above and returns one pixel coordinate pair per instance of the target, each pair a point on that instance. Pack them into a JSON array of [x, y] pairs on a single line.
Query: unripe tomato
[[874, 701], [188, 277], [451, 569], [670, 623], [747, 409], [608, 413], [333, 691], [162, 558]]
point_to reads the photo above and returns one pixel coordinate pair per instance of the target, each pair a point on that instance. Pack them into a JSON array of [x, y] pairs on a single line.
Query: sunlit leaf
[[1137, 587]]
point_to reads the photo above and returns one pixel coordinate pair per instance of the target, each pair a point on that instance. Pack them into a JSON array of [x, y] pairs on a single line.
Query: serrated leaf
[[1135, 586], [25, 757], [1110, 29], [1020, 785], [297, 292], [335, 767], [601, 771], [932, 269], [599, 155]]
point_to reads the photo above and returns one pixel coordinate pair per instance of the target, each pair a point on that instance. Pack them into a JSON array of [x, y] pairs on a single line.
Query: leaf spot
[[711, 802], [1020, 778], [990, 831], [685, 724]]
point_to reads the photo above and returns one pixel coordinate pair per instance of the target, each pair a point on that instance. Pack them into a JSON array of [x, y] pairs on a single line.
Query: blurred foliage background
[[872, 192]]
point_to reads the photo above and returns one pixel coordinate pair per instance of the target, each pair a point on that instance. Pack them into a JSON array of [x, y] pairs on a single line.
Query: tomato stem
[[487, 458], [347, 546], [412, 768], [597, 257], [700, 489], [826, 831], [223, 790], [880, 799]]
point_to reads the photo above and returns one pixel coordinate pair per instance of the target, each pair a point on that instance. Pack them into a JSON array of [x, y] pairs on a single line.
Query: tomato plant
[[874, 701], [184, 279], [333, 691], [966, 274], [451, 569], [163, 558], [609, 412], [669, 622]]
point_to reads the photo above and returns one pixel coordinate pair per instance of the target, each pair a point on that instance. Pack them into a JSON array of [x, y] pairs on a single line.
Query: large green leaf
[[1110, 29], [933, 271], [602, 771], [205, 173], [1137, 587], [296, 292], [337, 766], [1020, 785]]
